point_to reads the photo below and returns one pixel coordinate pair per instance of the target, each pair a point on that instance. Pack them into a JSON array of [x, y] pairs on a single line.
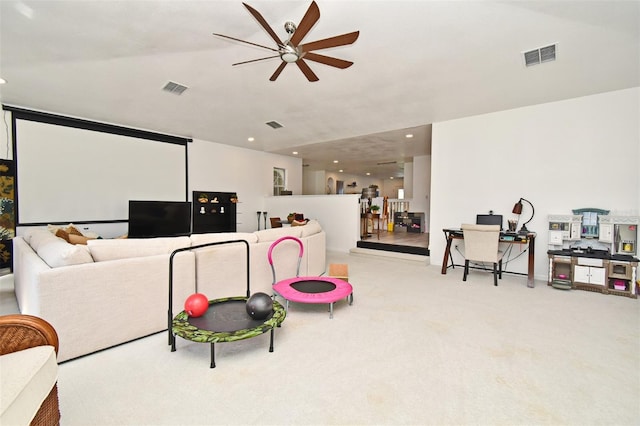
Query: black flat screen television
[[159, 218]]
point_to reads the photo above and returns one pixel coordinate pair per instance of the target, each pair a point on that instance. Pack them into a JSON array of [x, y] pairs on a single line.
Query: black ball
[[259, 306]]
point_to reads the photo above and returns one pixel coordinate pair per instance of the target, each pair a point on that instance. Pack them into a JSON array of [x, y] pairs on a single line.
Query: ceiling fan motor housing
[[290, 28]]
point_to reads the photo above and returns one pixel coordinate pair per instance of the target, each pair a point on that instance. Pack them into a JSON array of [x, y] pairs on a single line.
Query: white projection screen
[[70, 174]]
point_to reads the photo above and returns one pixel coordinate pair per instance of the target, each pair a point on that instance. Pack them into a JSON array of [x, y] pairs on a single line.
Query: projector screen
[[71, 174]]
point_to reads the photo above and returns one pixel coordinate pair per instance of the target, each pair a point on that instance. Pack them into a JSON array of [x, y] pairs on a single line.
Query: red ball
[[196, 305]]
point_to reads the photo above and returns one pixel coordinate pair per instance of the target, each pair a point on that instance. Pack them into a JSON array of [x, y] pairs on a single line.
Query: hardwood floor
[[401, 242], [400, 238]]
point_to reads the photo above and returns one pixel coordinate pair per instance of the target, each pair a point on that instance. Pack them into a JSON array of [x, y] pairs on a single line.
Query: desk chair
[[481, 245]]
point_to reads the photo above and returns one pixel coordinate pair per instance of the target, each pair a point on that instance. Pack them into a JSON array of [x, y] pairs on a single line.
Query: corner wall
[[224, 168], [582, 152]]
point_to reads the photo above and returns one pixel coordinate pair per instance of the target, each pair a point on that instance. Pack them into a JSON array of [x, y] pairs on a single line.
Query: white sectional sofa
[[112, 291]]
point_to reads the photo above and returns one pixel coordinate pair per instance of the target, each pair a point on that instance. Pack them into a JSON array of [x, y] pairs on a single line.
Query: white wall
[[390, 187], [583, 152], [339, 215], [420, 201], [249, 173], [313, 182]]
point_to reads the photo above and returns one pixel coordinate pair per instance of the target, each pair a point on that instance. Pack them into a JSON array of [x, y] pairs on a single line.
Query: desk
[[456, 234]]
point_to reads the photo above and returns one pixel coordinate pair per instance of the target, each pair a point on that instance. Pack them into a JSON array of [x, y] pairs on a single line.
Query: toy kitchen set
[[594, 251]]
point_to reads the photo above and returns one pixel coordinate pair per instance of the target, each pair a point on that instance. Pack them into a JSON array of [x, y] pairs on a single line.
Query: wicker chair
[[21, 332]]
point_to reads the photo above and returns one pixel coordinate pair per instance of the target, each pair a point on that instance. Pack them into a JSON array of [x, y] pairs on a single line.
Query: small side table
[[364, 219]]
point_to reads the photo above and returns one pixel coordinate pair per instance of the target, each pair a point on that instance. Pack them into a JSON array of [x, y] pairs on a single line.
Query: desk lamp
[[517, 209]]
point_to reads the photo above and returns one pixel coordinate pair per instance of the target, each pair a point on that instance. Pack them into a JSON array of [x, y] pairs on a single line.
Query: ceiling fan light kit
[[291, 51]]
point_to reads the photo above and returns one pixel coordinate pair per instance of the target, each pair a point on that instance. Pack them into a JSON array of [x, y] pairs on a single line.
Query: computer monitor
[[489, 219]]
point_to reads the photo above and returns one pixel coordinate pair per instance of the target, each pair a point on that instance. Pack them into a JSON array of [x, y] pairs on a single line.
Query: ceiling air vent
[[540, 55], [274, 124], [175, 88]]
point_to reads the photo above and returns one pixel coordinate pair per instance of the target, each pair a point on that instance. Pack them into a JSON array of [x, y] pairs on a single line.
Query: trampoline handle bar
[[278, 241]]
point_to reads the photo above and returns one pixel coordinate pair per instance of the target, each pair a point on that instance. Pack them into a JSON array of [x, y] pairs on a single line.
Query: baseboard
[[391, 255]]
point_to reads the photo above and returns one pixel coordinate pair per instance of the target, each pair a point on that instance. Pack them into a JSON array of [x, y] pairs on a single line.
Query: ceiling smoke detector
[[540, 55]]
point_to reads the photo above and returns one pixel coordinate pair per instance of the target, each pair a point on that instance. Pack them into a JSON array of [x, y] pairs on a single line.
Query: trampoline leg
[[271, 342], [350, 298], [173, 343], [213, 356], [331, 310]]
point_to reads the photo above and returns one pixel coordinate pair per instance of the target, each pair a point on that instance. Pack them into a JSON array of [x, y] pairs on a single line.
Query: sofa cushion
[[123, 248], [275, 233], [312, 227], [27, 377], [40, 236], [61, 253], [197, 239], [55, 251]]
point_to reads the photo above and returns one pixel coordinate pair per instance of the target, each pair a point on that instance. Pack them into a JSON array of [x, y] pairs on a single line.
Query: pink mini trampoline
[[309, 289]]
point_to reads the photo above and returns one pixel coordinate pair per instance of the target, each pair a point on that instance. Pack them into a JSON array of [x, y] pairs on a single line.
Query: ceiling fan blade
[[255, 60], [306, 70], [243, 41], [326, 43], [308, 21], [328, 60], [278, 71], [264, 24]]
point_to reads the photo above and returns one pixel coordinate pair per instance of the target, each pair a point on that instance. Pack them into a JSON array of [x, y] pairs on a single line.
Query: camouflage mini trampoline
[[226, 319]]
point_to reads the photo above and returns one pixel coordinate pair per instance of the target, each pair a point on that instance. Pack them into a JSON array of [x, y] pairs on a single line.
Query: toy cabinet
[[621, 277], [411, 222], [594, 251], [561, 272], [587, 271], [621, 233]]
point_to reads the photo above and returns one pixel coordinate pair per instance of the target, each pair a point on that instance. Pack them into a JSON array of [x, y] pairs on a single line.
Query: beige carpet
[[415, 348]]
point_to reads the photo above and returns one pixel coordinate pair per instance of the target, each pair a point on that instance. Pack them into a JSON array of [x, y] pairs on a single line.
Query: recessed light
[[2, 80], [341, 170], [335, 161], [295, 152], [250, 139], [391, 177], [408, 136], [368, 174]]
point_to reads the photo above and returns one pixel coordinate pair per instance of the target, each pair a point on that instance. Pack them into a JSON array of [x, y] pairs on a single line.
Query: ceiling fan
[[291, 51]]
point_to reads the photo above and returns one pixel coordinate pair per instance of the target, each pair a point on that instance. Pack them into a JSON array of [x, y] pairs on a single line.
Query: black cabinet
[[413, 222], [214, 212]]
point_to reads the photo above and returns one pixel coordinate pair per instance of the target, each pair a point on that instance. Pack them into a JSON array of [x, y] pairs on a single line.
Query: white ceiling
[[415, 63]]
